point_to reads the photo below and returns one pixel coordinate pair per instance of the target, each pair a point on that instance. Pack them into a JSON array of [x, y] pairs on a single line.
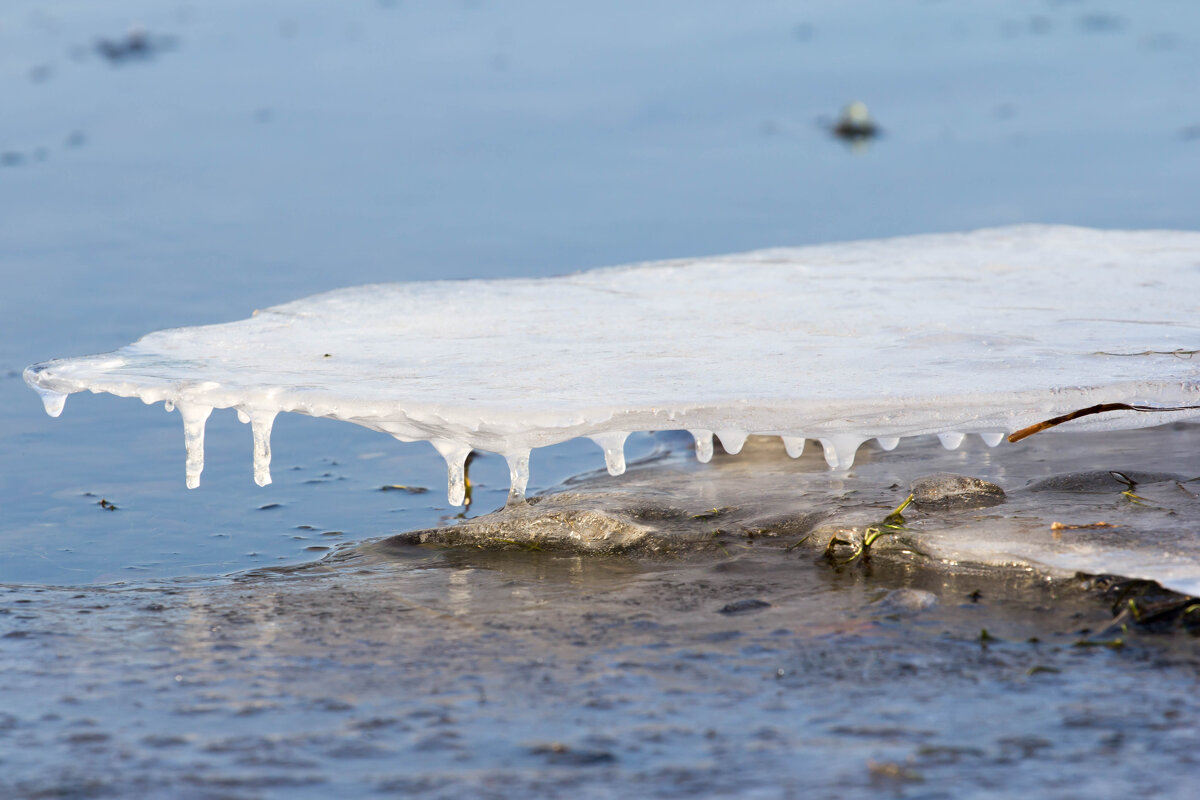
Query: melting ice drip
[[981, 333]]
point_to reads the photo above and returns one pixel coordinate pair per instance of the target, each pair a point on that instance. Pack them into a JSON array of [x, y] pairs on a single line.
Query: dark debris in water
[[746, 606], [137, 45], [1144, 605], [564, 755], [399, 487], [855, 125], [1102, 480]]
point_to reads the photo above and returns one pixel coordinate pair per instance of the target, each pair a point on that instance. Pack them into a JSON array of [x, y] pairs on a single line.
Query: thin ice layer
[[944, 334]]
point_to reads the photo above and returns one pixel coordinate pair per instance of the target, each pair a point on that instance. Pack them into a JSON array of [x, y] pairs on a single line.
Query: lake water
[[227, 158]]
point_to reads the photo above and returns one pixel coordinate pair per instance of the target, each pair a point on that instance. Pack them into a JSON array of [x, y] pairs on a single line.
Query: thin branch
[[1087, 412]]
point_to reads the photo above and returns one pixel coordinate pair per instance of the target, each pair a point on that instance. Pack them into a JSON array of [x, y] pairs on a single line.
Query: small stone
[[746, 606], [908, 600], [1100, 481], [948, 492]]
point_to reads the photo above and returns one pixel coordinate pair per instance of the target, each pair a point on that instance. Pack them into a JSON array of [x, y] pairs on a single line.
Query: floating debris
[[1058, 526], [137, 45], [746, 606], [856, 124]]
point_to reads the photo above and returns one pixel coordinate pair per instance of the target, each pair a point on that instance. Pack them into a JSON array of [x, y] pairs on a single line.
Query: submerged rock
[[746, 606], [1101, 480], [606, 521], [555, 523], [907, 600], [947, 492]]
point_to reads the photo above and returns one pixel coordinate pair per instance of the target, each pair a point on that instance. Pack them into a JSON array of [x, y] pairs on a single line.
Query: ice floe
[[953, 334]]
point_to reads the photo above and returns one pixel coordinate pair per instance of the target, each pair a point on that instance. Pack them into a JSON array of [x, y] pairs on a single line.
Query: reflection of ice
[[950, 334]]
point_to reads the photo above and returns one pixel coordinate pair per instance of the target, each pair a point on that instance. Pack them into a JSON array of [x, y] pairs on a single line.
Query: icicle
[[52, 401], [455, 454], [243, 417], [888, 442], [168, 405], [831, 455], [992, 439], [613, 445], [794, 445], [840, 450], [704, 445], [194, 418], [261, 423], [518, 474], [951, 439], [732, 440]]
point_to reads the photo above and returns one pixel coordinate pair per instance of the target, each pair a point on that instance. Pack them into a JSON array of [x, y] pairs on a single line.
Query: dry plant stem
[[1087, 412]]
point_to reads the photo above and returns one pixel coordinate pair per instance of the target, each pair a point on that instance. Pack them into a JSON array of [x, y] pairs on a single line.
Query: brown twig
[[1087, 412], [1058, 526]]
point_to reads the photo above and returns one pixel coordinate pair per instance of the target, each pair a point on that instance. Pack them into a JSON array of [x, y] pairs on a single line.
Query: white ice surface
[[983, 332]]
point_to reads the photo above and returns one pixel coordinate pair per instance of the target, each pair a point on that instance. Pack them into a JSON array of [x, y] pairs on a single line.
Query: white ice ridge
[[977, 333]]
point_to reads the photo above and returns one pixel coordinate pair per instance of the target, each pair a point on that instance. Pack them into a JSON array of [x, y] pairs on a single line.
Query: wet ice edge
[[979, 333]]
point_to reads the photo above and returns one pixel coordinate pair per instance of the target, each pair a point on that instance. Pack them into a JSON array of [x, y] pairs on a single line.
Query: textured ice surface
[[978, 333]]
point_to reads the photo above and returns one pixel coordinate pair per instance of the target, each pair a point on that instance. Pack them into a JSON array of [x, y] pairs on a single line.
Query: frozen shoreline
[[1132, 512]]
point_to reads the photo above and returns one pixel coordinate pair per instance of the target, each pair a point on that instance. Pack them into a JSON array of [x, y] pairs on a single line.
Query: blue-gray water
[[253, 154]]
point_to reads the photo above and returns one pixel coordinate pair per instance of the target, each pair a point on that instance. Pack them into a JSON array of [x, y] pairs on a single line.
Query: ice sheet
[[977, 333]]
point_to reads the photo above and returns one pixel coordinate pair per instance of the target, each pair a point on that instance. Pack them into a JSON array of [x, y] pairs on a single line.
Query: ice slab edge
[[954, 334]]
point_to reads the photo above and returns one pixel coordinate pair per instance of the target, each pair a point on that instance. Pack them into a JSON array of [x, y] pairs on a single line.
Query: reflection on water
[[462, 672]]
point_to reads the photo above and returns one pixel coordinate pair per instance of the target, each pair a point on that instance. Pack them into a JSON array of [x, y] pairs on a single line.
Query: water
[[274, 151]]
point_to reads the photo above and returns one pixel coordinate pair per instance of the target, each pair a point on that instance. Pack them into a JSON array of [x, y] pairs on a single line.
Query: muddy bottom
[[465, 672]]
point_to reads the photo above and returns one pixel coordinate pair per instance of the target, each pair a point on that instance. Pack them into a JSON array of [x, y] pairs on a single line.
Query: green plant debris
[[1130, 485], [712, 513], [106, 505], [1038, 669], [399, 487], [1112, 644], [1133, 498], [892, 771], [895, 519], [796, 544], [890, 524]]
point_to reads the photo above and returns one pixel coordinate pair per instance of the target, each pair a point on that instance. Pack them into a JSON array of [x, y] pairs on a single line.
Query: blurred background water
[[170, 164]]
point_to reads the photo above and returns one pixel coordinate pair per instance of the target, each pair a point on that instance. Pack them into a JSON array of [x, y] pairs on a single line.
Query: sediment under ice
[[978, 333]]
